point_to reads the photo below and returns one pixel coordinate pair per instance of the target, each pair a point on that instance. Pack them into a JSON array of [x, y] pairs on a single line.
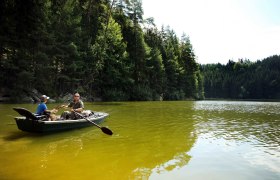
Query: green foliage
[[243, 79], [64, 46]]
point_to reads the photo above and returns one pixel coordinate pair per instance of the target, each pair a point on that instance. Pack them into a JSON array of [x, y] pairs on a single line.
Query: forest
[[102, 49], [243, 79], [106, 50]]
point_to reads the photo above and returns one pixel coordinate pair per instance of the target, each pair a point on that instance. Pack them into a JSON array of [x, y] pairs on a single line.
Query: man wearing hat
[[42, 108]]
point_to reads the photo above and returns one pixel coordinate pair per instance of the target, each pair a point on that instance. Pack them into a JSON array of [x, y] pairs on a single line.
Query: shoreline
[[256, 100], [206, 99]]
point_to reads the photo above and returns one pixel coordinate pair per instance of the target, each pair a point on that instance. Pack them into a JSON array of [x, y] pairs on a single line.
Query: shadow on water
[[16, 135]]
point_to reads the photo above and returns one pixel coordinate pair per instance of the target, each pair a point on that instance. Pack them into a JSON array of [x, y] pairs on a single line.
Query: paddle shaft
[[86, 119], [104, 129]]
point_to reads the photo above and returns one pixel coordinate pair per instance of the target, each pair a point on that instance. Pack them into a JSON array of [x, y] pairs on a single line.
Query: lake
[[152, 140]]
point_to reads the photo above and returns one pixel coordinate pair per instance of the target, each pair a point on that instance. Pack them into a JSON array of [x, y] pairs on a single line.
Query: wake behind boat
[[31, 123]]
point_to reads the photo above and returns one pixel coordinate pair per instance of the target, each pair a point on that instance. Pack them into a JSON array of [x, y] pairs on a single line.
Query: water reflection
[[64, 145], [153, 140], [244, 121], [160, 139], [267, 108], [249, 127]]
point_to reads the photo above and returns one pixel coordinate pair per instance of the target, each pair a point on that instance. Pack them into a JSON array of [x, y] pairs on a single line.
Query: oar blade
[[106, 131]]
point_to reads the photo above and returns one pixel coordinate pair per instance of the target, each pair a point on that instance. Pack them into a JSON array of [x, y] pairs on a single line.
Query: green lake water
[[152, 140]]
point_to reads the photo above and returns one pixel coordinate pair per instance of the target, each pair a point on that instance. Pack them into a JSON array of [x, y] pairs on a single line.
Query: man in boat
[[42, 109], [76, 105]]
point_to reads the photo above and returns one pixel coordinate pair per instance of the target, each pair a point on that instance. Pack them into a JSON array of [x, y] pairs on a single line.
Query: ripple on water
[[269, 108], [250, 126]]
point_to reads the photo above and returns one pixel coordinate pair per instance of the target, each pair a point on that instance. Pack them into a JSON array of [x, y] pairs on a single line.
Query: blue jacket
[[41, 108]]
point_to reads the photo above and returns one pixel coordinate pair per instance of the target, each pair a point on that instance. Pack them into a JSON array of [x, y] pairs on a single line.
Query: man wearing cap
[[42, 107]]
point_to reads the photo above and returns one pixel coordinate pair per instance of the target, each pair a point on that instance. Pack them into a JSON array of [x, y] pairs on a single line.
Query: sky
[[222, 30]]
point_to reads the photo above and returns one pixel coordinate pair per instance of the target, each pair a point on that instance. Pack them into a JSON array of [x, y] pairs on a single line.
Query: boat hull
[[40, 126]]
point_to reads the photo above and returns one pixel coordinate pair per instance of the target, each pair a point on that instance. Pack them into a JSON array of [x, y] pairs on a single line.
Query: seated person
[[42, 109], [76, 105]]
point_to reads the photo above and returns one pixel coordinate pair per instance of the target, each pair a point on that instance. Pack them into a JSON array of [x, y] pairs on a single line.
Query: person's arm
[[65, 106], [80, 109], [51, 111]]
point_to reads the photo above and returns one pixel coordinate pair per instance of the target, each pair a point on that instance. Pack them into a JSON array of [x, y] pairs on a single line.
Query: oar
[[104, 129], [59, 106]]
